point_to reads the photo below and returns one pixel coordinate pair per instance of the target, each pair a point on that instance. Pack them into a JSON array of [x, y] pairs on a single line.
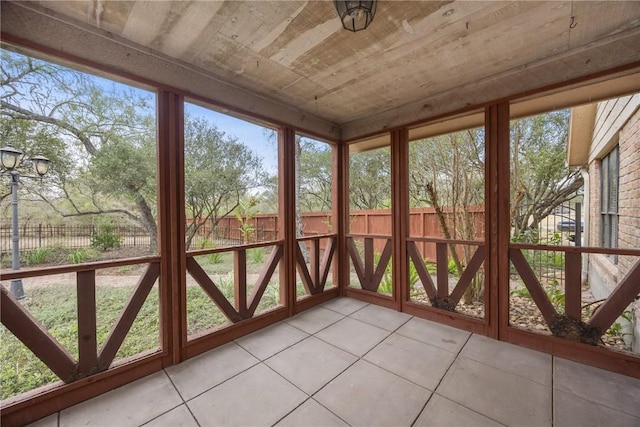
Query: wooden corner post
[[171, 220], [400, 214], [497, 216], [287, 215]]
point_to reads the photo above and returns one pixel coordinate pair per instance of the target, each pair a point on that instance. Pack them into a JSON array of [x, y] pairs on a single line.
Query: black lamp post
[[11, 159], [356, 15]]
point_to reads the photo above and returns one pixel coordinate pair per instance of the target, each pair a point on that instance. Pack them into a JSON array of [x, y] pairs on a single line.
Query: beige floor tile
[[256, 397], [200, 373], [271, 340], [131, 405], [571, 411], [413, 360], [315, 319], [344, 305], [381, 317], [353, 336], [485, 382], [366, 395], [178, 417], [311, 414], [441, 412], [521, 361], [311, 363], [606, 388], [501, 396], [435, 334]]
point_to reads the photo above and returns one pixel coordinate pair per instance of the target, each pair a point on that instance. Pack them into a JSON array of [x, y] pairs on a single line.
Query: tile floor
[[350, 363]]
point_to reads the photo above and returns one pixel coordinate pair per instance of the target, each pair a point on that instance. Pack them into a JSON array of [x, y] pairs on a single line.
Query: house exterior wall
[[617, 122]]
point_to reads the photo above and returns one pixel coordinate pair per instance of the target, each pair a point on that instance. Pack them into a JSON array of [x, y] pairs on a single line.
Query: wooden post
[[287, 215], [240, 281], [315, 261], [573, 279], [400, 214], [340, 203], [497, 215], [87, 342], [171, 225], [442, 269]]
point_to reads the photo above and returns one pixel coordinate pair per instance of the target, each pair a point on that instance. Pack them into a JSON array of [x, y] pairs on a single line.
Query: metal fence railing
[[69, 236], [35, 236]]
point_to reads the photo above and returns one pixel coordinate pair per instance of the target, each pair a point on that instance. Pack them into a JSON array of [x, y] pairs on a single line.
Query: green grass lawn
[[55, 307]]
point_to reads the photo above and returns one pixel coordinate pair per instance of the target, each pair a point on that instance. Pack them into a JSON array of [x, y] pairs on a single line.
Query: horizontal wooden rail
[[316, 236], [98, 265], [200, 252], [447, 241], [372, 236], [577, 249]]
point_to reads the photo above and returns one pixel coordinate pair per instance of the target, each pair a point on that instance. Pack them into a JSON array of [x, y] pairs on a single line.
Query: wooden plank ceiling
[[416, 60]]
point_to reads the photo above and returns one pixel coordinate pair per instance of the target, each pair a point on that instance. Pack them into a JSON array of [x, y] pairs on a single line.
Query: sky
[[247, 133]]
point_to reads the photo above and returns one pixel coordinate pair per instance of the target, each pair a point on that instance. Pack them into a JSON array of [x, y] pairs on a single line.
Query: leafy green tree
[[315, 175], [219, 172], [540, 178], [370, 179], [447, 173], [451, 167], [102, 138]]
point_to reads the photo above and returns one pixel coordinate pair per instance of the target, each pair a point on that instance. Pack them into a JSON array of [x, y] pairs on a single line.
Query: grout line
[[222, 382], [325, 327], [177, 406], [330, 411], [553, 418], [174, 385], [435, 389]]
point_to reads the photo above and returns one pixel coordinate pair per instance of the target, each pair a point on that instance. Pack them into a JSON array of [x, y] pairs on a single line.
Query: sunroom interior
[[436, 92]]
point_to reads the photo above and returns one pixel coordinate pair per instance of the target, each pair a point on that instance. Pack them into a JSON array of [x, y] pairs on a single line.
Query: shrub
[[256, 255], [106, 238], [452, 268], [77, 256], [38, 256], [215, 258]]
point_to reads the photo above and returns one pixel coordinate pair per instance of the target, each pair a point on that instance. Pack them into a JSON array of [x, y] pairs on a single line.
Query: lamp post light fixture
[[356, 15], [11, 159]]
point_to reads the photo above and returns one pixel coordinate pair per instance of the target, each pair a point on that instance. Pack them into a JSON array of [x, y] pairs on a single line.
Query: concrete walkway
[[351, 363]]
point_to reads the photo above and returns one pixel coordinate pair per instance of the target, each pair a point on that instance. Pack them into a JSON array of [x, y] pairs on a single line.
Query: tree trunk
[[148, 222]]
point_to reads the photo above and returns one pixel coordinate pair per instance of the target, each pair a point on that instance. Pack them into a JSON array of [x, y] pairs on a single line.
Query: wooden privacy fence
[[423, 222]]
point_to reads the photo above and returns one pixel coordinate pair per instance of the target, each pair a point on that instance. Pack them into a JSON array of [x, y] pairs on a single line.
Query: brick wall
[[604, 275], [629, 195]]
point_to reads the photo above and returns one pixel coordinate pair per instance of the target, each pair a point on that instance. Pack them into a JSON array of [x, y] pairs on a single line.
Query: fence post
[[40, 235]]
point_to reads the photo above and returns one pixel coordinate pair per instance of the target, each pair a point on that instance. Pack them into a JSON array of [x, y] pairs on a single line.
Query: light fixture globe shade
[[356, 15], [10, 157], [41, 164]]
